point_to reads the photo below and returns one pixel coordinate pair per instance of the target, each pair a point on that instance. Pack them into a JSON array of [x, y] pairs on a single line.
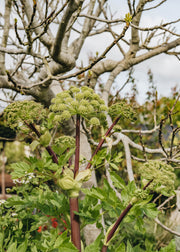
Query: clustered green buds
[[73, 185], [162, 175], [94, 121], [139, 194], [19, 112], [82, 101], [123, 110], [67, 141], [117, 128]]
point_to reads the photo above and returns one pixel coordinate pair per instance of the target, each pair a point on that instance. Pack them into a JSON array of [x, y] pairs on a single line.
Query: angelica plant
[[81, 104]]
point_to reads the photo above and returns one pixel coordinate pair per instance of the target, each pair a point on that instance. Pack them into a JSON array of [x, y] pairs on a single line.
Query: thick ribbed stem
[[76, 166], [75, 224], [116, 225]]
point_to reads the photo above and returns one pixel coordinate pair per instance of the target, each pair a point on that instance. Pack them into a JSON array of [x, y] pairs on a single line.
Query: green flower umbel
[[123, 110], [23, 111], [78, 101], [162, 175]]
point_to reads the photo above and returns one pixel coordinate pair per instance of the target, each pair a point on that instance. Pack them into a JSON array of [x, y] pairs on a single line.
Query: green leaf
[[20, 225], [114, 166], [62, 238], [64, 158], [55, 203], [118, 181], [54, 167], [138, 249], [95, 246], [1, 239], [139, 224], [34, 145], [45, 244], [121, 248], [14, 201], [22, 247], [64, 244], [69, 247], [149, 245], [20, 169], [128, 18], [118, 157], [45, 139], [170, 248], [151, 210], [99, 157], [12, 247], [34, 249], [129, 247], [111, 195], [94, 192]]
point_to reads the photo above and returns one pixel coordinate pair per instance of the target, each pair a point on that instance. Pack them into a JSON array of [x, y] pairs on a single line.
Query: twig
[[143, 147], [102, 20], [161, 135], [17, 34], [166, 228], [166, 201], [33, 14]]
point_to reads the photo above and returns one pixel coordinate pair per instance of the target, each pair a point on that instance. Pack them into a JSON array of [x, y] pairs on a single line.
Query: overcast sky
[[165, 68]]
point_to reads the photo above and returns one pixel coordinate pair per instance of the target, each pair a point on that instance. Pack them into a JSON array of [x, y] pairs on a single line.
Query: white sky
[[165, 68]]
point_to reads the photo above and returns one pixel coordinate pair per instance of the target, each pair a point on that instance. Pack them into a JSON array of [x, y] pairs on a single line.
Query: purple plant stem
[[75, 223], [76, 166], [116, 225], [52, 153], [119, 220], [102, 141]]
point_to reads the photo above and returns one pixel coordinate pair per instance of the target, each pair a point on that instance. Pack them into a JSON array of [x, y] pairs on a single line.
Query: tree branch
[[5, 34], [57, 48], [166, 228], [45, 39]]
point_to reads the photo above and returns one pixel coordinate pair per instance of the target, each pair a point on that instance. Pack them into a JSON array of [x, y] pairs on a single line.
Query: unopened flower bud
[[83, 176], [94, 121], [66, 182]]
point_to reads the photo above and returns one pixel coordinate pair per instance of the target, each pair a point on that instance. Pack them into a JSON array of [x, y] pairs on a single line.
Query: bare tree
[[41, 42]]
